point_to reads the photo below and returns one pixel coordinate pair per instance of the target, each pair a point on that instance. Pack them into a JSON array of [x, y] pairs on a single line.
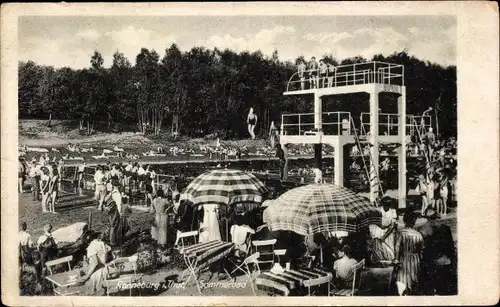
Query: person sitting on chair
[[342, 267], [239, 235], [98, 255]]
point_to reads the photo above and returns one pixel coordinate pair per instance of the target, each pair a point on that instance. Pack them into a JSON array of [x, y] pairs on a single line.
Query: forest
[[207, 91]]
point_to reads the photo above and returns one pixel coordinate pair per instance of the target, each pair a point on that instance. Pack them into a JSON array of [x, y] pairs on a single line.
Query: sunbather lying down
[[37, 149], [68, 157]]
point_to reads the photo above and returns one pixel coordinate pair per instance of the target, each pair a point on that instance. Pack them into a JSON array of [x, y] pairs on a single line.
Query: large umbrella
[[317, 208], [226, 187]]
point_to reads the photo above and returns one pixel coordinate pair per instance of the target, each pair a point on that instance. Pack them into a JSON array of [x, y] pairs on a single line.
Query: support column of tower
[[285, 167], [339, 162], [374, 146], [402, 181], [318, 125]]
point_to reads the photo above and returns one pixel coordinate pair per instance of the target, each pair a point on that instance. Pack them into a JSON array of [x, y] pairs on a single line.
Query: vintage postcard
[[250, 154]]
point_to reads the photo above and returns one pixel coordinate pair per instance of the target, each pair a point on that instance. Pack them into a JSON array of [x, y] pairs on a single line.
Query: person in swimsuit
[[149, 182], [442, 207], [423, 190], [141, 175], [60, 166], [313, 73], [331, 74], [127, 173], [44, 187], [21, 174], [53, 190], [134, 176], [280, 154], [323, 72], [252, 122], [81, 170], [301, 68], [273, 134]]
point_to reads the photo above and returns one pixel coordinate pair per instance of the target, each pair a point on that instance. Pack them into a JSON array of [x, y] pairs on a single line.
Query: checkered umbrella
[[226, 187], [319, 208]]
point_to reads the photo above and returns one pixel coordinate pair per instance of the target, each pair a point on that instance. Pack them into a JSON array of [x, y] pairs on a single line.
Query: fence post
[[90, 221], [299, 126]]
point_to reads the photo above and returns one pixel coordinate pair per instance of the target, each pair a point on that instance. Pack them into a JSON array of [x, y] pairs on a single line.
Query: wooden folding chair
[[123, 264], [245, 268], [52, 263], [181, 236], [260, 244], [280, 252], [356, 271], [63, 291], [310, 283]]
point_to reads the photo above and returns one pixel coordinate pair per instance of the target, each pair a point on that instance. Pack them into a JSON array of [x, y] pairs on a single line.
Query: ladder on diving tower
[[375, 179], [421, 141]]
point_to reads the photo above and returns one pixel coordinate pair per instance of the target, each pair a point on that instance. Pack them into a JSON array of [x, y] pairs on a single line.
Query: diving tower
[[339, 128]]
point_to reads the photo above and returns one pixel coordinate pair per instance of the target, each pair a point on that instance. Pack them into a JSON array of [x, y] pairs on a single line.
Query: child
[[423, 190], [53, 190]]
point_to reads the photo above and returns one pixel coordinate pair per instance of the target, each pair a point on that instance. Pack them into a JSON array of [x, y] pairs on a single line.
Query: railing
[[338, 123], [423, 124], [333, 123], [344, 75], [388, 123]]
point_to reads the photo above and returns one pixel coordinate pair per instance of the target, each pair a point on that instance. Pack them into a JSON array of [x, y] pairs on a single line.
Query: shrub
[[30, 284], [147, 257]]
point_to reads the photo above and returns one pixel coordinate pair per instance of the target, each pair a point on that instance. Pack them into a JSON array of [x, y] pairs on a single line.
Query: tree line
[[205, 91]]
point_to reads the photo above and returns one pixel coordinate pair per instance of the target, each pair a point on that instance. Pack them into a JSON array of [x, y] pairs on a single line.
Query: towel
[[69, 233]]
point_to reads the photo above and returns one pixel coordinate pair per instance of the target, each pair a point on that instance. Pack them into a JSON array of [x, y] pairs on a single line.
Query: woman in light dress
[[159, 207], [209, 228]]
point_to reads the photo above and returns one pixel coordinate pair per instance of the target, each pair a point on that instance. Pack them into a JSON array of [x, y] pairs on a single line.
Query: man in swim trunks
[[313, 73]]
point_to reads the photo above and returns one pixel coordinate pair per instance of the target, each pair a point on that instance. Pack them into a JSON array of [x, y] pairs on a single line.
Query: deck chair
[[316, 282], [356, 272], [128, 265], [245, 268], [181, 236], [260, 244]]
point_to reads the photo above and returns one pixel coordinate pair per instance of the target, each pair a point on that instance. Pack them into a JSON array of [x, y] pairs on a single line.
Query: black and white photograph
[[238, 155]]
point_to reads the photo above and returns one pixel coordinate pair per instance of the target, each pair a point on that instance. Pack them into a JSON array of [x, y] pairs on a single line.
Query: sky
[[69, 41]]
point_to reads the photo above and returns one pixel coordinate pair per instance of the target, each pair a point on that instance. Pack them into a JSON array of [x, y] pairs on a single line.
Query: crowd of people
[[423, 257], [437, 182], [318, 75], [44, 177]]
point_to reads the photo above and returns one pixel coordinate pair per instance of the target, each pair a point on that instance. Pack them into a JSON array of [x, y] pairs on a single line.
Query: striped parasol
[[226, 187], [319, 208]]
